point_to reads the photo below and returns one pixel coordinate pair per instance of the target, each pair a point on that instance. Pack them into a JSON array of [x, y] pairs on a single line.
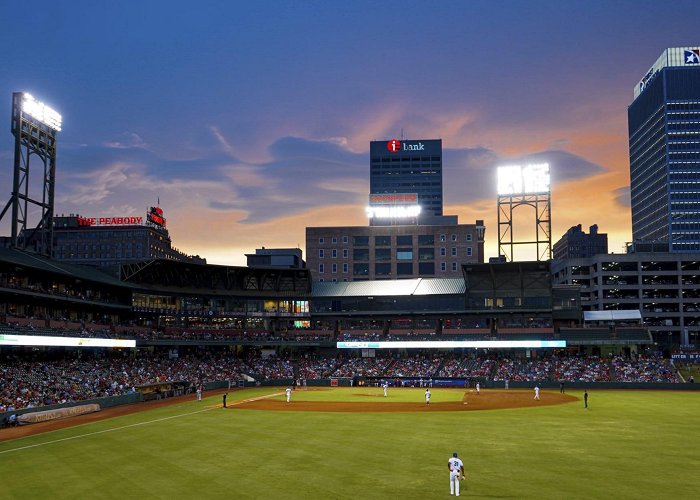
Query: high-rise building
[[107, 241], [664, 143], [576, 244], [408, 167]]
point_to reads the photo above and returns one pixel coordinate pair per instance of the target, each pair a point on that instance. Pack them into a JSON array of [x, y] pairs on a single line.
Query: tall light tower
[[525, 186], [34, 126]]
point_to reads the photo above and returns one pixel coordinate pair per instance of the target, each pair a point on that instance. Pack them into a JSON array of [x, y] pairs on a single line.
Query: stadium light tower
[[525, 185], [34, 126]]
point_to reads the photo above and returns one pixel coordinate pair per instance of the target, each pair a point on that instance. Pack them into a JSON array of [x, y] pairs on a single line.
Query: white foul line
[[135, 425]]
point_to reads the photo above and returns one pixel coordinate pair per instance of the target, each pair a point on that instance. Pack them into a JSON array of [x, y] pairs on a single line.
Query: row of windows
[[362, 254], [385, 269], [99, 235], [385, 241]]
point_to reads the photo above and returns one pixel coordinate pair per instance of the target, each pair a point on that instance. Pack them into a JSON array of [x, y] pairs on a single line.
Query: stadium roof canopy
[[408, 287], [37, 263]]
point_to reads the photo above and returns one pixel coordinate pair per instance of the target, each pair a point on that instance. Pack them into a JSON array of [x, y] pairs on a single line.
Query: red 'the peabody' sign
[[109, 221]]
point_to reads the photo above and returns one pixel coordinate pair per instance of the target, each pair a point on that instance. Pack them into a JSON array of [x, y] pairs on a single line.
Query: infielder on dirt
[[456, 468]]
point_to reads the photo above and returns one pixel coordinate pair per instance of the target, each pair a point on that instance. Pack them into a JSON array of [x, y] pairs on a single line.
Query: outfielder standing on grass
[[456, 468]]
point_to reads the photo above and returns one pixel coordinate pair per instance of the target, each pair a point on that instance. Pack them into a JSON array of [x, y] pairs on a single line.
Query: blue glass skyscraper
[[664, 145]]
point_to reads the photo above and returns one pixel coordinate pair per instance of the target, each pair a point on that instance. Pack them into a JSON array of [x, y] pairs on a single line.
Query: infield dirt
[[487, 400]]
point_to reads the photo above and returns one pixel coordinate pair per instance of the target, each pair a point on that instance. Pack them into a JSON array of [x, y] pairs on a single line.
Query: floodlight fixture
[[41, 112], [523, 179]]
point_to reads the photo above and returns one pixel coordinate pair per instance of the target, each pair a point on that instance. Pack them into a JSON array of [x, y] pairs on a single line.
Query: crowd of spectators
[[418, 365], [27, 380], [38, 382], [644, 369]]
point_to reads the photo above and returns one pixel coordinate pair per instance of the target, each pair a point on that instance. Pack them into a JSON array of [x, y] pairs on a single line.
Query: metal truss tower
[[34, 126], [540, 202]]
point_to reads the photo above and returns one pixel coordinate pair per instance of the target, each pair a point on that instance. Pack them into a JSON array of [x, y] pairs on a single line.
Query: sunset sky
[[252, 120]]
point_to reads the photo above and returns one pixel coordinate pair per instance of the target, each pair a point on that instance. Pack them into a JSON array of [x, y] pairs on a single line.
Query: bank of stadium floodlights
[[34, 125]]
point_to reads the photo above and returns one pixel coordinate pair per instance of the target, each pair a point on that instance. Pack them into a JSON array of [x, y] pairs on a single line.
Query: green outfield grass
[[629, 445]]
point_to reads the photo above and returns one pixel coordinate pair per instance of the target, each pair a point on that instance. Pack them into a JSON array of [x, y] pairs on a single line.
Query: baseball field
[[354, 443]]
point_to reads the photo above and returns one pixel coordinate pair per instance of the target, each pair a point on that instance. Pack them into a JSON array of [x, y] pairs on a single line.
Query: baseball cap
[[454, 454]]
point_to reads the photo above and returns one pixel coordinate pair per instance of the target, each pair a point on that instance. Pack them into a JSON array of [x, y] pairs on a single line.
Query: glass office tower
[[664, 144], [408, 166]]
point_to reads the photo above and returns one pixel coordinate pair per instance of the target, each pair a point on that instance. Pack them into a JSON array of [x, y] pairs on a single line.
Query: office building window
[[454, 251], [321, 268], [443, 266], [454, 266], [426, 239], [426, 268], [404, 240], [404, 268], [360, 254], [360, 241], [320, 241], [454, 237], [334, 240], [382, 254], [321, 253], [382, 269], [469, 251], [382, 241], [442, 237], [469, 237], [443, 251], [345, 239], [360, 269], [345, 253], [334, 268], [345, 268], [426, 254], [404, 254], [334, 253]]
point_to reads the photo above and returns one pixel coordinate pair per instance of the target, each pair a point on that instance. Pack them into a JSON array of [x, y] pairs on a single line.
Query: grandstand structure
[[165, 302]]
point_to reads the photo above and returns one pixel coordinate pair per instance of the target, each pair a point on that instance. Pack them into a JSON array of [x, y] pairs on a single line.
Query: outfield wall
[[107, 402]]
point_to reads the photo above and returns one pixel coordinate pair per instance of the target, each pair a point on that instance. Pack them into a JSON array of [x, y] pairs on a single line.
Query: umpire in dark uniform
[[225, 396], [585, 398]]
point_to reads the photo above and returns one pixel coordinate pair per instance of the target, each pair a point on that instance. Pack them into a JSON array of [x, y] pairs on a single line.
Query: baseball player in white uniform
[[456, 473], [288, 391], [537, 392], [478, 388], [385, 386], [199, 393], [427, 396]]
